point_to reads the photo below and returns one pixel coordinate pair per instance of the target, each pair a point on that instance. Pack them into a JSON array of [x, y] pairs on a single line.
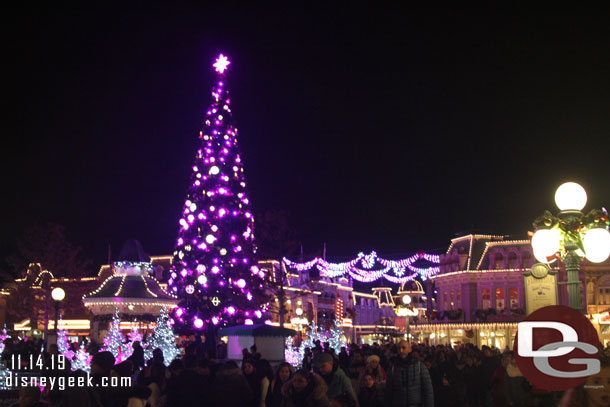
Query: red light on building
[[339, 310]]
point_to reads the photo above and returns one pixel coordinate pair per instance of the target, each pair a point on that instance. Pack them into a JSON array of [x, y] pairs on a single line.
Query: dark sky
[[376, 129]]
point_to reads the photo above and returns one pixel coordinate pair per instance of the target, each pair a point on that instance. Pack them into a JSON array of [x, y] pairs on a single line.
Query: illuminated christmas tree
[[335, 338], [214, 272], [63, 346], [3, 337], [82, 359], [114, 341], [4, 373], [163, 338], [134, 335]]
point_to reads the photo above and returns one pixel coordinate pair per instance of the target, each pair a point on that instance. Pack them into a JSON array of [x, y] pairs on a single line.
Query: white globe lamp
[[406, 299], [597, 245], [545, 243], [58, 294], [570, 197]]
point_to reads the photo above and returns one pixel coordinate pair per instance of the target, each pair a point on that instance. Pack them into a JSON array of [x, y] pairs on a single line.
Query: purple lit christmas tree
[[214, 272]]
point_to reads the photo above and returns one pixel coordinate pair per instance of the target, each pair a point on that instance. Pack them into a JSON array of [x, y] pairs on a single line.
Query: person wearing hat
[[374, 369], [335, 378]]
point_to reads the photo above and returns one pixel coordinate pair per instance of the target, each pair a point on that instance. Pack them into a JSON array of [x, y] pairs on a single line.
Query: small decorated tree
[[114, 341], [3, 337], [292, 354], [134, 335], [82, 360], [4, 373], [163, 338], [63, 346], [334, 337]]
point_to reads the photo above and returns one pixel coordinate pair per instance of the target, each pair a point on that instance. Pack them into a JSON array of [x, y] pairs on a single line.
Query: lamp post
[[299, 321], [407, 311], [58, 294], [406, 299], [571, 236]]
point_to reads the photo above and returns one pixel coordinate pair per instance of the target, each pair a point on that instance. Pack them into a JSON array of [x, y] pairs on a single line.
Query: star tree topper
[[221, 64]]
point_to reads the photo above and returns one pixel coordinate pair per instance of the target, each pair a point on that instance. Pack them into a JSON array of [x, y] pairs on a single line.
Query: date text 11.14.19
[[36, 362]]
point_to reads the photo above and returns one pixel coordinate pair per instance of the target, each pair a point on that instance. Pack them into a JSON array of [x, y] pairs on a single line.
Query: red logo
[[559, 348]]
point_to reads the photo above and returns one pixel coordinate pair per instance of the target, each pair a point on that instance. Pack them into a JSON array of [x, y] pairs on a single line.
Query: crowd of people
[[387, 375]]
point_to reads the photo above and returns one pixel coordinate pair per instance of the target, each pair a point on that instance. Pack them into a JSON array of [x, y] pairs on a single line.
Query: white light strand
[[367, 274]]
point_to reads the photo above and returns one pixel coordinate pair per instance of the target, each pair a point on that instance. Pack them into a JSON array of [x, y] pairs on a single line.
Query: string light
[[367, 274]]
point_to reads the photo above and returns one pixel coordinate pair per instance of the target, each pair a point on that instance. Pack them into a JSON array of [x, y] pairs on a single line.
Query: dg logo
[[557, 348]]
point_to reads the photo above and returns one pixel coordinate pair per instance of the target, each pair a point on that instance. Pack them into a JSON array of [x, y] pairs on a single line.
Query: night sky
[[386, 130]]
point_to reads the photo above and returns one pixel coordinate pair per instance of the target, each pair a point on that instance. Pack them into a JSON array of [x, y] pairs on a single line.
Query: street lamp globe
[[58, 294], [545, 243], [299, 311], [570, 197], [597, 245], [406, 299]]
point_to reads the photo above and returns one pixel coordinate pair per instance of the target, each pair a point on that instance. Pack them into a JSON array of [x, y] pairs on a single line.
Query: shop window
[[499, 298], [485, 298], [513, 295]]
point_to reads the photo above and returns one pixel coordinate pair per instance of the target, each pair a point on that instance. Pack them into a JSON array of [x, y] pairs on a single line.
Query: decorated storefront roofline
[[502, 243], [483, 325], [362, 268], [454, 273], [472, 236]]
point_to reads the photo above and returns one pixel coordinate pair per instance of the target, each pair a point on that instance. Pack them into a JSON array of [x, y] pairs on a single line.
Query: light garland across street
[[362, 268]]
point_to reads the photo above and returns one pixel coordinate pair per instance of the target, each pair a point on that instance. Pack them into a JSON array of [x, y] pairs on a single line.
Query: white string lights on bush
[[362, 268]]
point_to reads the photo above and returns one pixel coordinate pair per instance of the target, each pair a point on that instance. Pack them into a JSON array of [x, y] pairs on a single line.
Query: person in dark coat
[[515, 385], [408, 381], [283, 374], [231, 388], [191, 389], [497, 383], [137, 357], [251, 375], [370, 394], [306, 389], [335, 378]]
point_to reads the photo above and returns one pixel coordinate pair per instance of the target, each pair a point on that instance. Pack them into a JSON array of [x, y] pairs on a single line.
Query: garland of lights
[[366, 273]]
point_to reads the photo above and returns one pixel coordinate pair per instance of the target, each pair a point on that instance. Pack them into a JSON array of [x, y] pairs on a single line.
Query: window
[[590, 292], [452, 299], [513, 295], [445, 304], [459, 299], [526, 260], [498, 261], [513, 261], [499, 298], [485, 298]]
